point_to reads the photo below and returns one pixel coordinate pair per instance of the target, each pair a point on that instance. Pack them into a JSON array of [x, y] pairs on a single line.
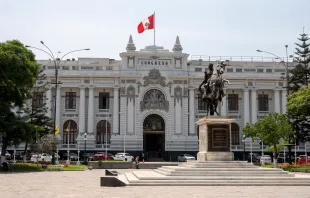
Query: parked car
[[185, 158], [102, 156], [123, 156], [88, 156], [303, 159], [265, 159], [7, 155], [255, 157], [41, 157], [281, 158]]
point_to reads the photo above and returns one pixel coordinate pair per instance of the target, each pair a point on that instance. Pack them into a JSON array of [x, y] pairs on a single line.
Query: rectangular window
[[104, 100], [37, 100], [201, 104], [70, 100], [263, 102], [233, 102]]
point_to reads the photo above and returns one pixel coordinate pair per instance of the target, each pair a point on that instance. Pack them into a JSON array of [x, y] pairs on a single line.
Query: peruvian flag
[[147, 24]]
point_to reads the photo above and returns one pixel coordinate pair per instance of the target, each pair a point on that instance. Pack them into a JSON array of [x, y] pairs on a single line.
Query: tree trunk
[[24, 155], [3, 151], [290, 154], [275, 156]]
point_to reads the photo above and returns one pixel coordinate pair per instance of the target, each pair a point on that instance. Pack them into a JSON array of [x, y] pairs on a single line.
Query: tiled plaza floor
[[86, 184]]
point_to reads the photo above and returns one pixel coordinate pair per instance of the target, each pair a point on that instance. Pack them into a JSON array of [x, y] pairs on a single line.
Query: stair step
[[226, 174], [225, 178], [291, 181], [222, 184], [171, 168]]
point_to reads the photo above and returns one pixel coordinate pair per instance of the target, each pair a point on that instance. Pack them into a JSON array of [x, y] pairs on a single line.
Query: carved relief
[[177, 93], [131, 92], [131, 62], [185, 91], [154, 99], [154, 77], [139, 85], [122, 90]]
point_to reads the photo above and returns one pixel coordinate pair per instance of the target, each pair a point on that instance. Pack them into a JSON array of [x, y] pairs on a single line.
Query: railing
[[238, 58]]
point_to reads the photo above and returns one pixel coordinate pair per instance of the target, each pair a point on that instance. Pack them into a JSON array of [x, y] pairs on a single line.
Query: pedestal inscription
[[219, 138], [214, 139]]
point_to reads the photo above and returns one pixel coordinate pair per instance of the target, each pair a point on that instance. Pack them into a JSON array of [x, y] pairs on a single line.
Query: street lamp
[[85, 134], [56, 62]]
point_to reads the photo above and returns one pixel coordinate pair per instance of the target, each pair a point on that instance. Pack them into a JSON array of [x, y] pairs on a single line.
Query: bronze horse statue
[[213, 88]]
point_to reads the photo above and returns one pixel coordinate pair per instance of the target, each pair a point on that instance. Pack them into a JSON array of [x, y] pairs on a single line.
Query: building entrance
[[154, 138]]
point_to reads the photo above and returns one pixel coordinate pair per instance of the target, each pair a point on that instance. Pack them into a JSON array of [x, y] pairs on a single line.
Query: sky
[[205, 27]]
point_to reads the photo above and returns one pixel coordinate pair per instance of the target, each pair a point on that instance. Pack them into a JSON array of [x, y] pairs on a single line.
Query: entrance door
[[154, 137]]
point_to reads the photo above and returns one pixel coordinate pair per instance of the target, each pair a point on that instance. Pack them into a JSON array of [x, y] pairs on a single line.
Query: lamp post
[[85, 134], [243, 140], [68, 148], [56, 62], [285, 63], [78, 143], [106, 140]]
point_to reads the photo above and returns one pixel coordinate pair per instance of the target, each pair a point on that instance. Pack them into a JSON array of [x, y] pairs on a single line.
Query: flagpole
[[154, 28]]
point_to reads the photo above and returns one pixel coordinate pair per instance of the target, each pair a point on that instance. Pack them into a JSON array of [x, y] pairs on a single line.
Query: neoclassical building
[[149, 99]]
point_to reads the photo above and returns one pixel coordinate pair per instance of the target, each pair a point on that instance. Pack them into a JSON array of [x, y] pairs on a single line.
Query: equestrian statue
[[213, 84]]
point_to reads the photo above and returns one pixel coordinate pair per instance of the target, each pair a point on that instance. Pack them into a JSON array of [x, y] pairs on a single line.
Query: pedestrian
[[142, 157], [137, 162]]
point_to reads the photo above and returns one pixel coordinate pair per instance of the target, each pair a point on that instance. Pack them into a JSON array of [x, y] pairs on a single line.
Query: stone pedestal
[[215, 139]]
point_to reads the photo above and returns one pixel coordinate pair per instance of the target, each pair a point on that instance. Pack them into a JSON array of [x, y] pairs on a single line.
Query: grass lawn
[[75, 168], [107, 161]]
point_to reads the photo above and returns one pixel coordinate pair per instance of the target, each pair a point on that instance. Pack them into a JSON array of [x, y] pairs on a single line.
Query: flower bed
[[294, 167], [31, 167]]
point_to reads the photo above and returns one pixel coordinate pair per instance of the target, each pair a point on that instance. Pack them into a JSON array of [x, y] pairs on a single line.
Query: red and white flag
[[146, 24]]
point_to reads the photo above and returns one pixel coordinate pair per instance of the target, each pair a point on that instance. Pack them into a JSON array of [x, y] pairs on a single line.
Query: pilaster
[[191, 108], [246, 108], [82, 110], [116, 111], [90, 120], [277, 100], [254, 105]]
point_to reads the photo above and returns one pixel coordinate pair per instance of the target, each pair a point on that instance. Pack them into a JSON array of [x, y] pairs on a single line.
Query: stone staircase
[[213, 173]]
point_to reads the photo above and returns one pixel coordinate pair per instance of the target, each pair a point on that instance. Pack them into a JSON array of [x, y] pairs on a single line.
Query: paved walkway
[[86, 184]]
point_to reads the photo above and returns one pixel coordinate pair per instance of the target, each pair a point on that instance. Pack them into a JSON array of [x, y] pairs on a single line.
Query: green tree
[[300, 73], [298, 106], [18, 72], [271, 129], [36, 110]]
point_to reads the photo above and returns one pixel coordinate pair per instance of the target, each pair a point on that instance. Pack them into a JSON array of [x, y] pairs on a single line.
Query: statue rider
[[207, 77]]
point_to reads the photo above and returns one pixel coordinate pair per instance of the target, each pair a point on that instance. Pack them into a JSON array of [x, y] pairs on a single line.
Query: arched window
[[103, 132], [234, 134], [70, 127]]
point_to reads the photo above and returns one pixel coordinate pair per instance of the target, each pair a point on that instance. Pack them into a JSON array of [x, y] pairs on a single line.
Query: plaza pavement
[[86, 184]]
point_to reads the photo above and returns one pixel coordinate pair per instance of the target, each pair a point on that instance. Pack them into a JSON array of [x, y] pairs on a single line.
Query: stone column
[[90, 120], [284, 100], [224, 105], [277, 101], [254, 105], [191, 128], [49, 102], [82, 110], [246, 106], [116, 111], [58, 101]]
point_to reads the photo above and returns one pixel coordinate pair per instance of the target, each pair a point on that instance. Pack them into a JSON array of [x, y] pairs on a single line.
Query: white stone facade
[[176, 77]]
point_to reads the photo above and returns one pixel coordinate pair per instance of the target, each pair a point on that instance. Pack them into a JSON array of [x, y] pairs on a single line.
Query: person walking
[[137, 162]]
